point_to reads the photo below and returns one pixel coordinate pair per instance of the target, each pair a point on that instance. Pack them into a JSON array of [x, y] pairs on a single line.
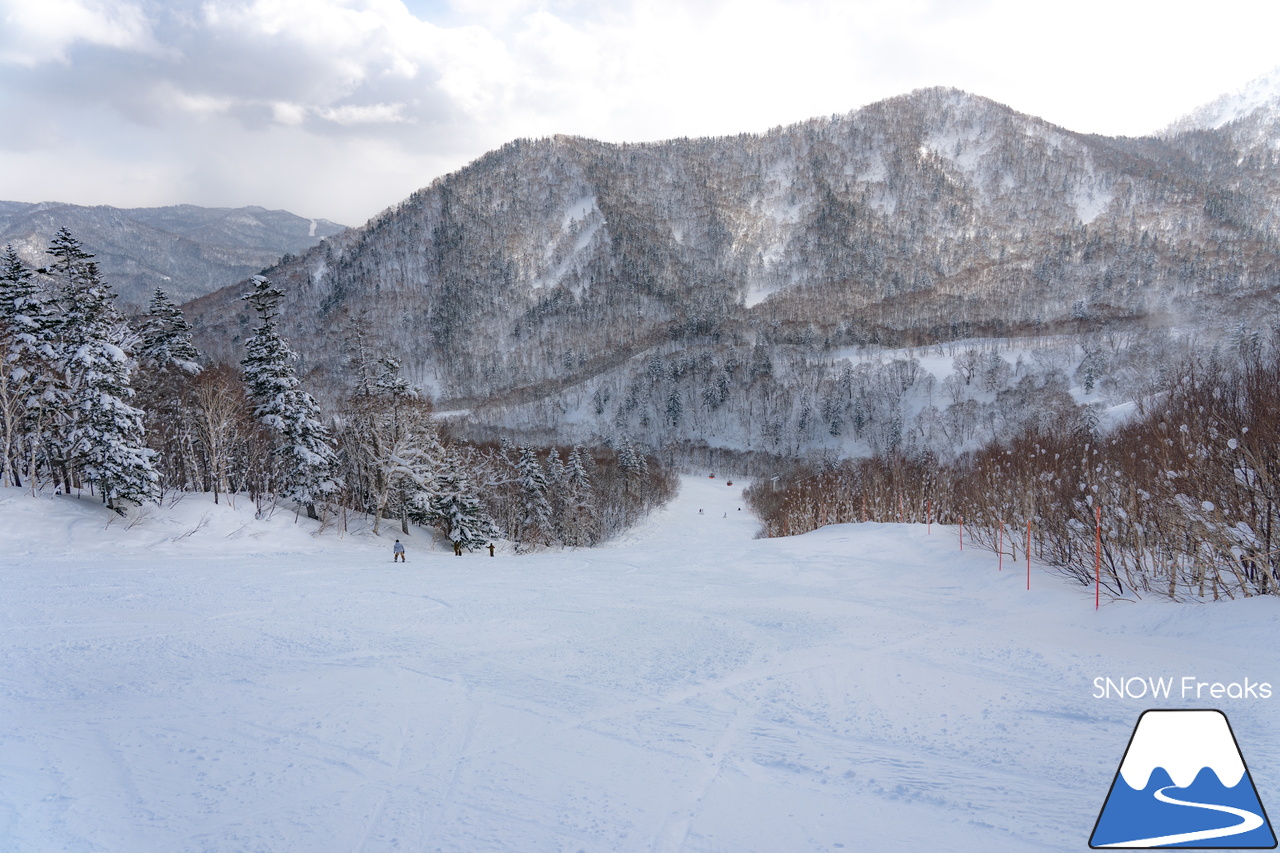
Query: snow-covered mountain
[[187, 250], [1255, 106], [1244, 125], [646, 287]]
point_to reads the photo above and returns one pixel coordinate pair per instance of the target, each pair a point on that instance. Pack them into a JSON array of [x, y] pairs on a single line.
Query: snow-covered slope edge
[[189, 525]]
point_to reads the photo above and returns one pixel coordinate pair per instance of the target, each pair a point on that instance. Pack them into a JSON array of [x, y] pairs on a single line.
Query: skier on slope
[[397, 552]]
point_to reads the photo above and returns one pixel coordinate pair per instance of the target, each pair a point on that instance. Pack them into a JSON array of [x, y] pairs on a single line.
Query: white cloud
[[365, 114], [284, 112], [198, 105], [43, 31], [338, 108]]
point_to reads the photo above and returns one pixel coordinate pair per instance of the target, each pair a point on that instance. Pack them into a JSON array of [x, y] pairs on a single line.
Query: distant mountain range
[[605, 288], [186, 250]]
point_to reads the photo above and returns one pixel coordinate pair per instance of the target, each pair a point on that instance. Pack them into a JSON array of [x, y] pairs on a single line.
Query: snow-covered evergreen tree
[[21, 308], [578, 477], [27, 325], [632, 462], [557, 492], [454, 508], [102, 439], [167, 393], [535, 526], [166, 336], [627, 458], [391, 382], [580, 524], [304, 448], [35, 385]]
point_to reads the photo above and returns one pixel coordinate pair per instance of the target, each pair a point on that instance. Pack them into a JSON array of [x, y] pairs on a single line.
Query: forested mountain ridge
[[662, 277], [186, 250]]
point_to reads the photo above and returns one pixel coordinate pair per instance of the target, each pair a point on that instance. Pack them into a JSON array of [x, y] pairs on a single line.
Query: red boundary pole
[[1028, 554], [1097, 560]]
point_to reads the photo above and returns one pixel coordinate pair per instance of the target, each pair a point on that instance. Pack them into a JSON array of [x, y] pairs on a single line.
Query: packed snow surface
[[205, 681]]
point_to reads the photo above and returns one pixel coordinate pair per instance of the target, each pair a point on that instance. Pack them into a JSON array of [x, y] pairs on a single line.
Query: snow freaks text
[[1186, 687]]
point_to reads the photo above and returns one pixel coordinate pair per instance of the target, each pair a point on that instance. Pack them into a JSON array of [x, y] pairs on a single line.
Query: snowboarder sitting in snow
[[398, 552]]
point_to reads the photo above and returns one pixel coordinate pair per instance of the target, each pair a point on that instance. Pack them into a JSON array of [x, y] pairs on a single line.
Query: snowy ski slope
[[206, 682]]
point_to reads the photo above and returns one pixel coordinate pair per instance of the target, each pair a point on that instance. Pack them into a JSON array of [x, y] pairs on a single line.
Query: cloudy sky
[[339, 108]]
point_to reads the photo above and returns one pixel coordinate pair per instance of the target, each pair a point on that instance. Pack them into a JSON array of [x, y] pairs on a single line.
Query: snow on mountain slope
[[248, 685], [527, 273], [188, 251], [1249, 117], [1260, 94]]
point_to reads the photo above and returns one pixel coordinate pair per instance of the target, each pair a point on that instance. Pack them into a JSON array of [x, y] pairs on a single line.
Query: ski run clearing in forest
[[204, 681]]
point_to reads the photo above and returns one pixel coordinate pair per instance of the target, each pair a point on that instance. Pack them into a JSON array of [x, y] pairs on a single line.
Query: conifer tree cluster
[[67, 383], [89, 402], [453, 506], [543, 497]]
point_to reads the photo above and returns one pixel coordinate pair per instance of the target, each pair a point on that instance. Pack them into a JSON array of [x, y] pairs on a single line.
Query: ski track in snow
[[247, 686]]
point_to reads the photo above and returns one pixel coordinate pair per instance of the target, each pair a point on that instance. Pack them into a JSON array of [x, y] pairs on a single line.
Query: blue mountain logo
[[1183, 783]]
